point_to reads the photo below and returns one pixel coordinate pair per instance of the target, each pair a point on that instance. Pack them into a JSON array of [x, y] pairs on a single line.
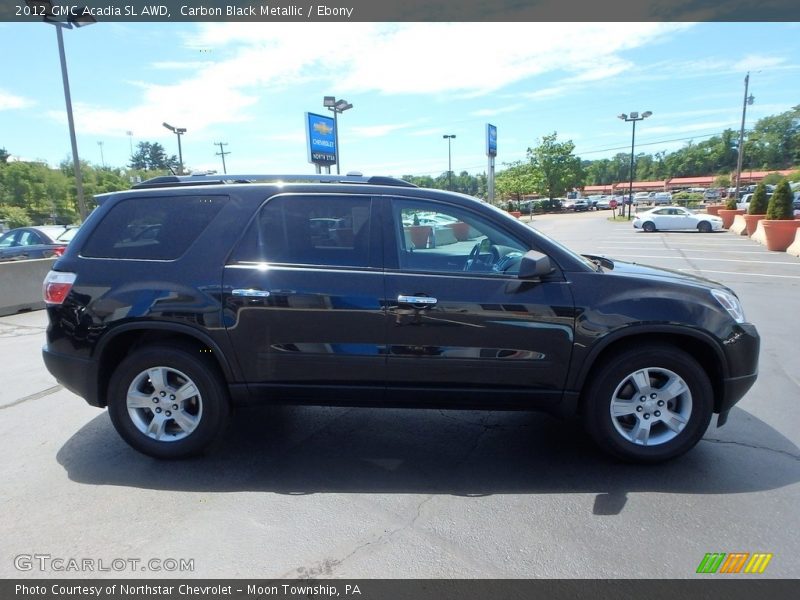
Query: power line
[[222, 153]]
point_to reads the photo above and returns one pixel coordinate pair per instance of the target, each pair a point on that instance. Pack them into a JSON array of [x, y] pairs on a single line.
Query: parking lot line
[[705, 271], [682, 249], [736, 260]]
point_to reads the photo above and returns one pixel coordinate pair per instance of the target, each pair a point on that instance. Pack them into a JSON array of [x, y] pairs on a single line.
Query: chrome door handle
[[250, 293], [427, 300]]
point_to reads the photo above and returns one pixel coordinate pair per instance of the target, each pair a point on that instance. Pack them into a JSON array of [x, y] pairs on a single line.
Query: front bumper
[[741, 351]]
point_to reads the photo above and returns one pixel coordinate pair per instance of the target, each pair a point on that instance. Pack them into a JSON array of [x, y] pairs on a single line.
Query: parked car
[[676, 218], [711, 194], [640, 198], [234, 301], [568, 204], [35, 242], [581, 204], [604, 203], [660, 198]]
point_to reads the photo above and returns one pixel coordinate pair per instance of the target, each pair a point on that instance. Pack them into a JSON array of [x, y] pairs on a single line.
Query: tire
[[167, 401], [649, 227], [672, 418], [704, 227]]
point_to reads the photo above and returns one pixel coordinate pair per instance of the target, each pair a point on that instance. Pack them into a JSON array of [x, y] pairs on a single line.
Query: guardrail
[[21, 284]]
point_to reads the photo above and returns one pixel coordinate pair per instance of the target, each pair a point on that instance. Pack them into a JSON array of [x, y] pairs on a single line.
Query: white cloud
[[491, 112], [10, 101], [406, 58]]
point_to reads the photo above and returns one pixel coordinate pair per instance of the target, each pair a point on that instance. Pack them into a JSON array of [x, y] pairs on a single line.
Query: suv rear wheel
[[649, 404], [166, 402]]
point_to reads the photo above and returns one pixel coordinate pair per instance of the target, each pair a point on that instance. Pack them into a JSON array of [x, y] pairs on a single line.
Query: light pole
[[449, 138], [633, 117], [740, 149], [337, 106], [179, 131], [102, 158], [130, 141], [79, 20]]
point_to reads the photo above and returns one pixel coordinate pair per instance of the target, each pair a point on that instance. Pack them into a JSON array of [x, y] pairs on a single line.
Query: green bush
[[15, 216], [730, 203], [780, 205], [759, 201]]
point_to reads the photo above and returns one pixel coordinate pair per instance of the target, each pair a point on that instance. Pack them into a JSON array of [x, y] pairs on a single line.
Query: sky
[[249, 84]]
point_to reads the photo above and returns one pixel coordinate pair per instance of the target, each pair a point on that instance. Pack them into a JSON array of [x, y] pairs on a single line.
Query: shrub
[[759, 201], [730, 203], [15, 216], [780, 205]]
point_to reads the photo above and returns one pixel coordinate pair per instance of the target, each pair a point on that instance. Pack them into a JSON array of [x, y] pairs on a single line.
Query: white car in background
[[675, 218]]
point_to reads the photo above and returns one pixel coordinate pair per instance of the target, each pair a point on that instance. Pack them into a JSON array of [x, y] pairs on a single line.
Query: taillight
[[59, 250], [56, 286]]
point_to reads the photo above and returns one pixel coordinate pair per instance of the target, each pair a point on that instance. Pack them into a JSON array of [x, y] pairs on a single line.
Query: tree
[[780, 205], [555, 165], [4, 155], [759, 201], [515, 181], [151, 156], [15, 216]]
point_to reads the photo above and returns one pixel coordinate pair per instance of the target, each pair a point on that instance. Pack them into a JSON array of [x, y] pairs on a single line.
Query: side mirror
[[534, 265]]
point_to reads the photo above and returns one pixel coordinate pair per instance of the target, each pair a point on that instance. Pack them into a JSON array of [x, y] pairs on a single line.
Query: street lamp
[[179, 131], [633, 117], [449, 137], [740, 149], [46, 7], [337, 106]]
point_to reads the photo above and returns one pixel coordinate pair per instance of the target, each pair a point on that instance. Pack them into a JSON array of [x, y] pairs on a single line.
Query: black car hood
[[630, 268]]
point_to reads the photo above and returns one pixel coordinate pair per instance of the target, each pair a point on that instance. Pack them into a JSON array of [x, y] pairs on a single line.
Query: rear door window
[[325, 230], [154, 228]]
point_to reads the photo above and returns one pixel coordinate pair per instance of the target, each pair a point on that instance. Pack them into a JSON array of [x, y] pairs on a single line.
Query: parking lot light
[[449, 138], [336, 106], [78, 20], [632, 117], [179, 131]]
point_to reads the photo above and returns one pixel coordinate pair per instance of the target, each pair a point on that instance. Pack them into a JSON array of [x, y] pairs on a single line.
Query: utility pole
[[222, 153]]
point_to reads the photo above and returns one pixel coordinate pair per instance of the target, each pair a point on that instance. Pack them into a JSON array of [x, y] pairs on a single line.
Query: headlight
[[730, 303]]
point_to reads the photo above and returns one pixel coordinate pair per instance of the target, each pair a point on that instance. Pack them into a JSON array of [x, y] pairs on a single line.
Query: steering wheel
[[473, 257]]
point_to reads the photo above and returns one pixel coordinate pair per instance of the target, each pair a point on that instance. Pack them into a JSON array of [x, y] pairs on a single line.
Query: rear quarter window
[[152, 228]]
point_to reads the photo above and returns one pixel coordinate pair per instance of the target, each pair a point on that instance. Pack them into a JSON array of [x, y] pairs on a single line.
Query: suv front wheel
[[649, 404], [166, 402]]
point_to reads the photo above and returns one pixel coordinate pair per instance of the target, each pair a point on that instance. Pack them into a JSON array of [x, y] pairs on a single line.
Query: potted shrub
[[420, 234], [729, 212], [758, 208], [780, 225]]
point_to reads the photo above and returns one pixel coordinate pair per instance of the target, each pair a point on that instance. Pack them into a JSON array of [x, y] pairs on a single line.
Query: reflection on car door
[[303, 299], [461, 325]]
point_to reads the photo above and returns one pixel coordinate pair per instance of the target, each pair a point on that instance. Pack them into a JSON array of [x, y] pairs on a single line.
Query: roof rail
[[217, 179]]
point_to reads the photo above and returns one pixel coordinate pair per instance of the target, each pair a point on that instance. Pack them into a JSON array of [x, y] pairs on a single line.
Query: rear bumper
[[76, 374]]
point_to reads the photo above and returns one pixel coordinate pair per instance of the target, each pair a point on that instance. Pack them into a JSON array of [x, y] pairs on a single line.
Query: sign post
[[491, 152]]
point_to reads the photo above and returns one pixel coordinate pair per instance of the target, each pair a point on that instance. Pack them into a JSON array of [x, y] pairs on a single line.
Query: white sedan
[[676, 218]]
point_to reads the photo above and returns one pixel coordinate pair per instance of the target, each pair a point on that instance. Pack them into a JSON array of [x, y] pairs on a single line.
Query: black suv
[[188, 295]]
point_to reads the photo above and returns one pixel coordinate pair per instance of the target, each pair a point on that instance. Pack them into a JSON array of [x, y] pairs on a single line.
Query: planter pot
[[779, 234], [515, 213], [728, 214], [460, 230], [420, 234], [751, 222], [713, 209]]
